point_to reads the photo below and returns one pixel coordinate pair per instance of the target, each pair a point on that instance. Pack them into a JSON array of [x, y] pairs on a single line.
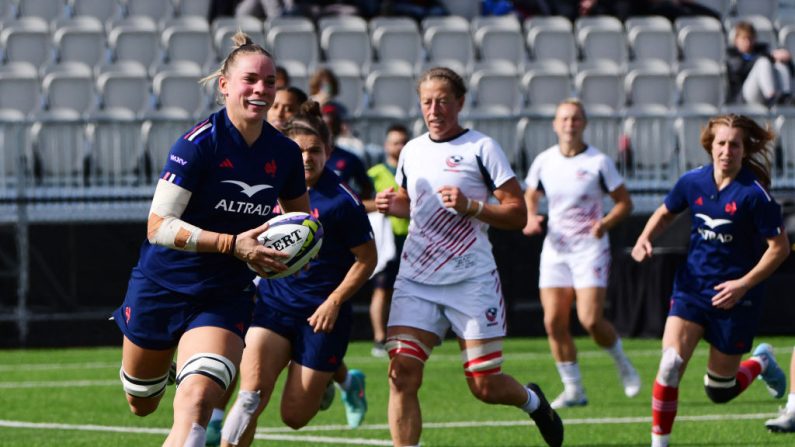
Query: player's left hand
[[453, 198], [729, 294], [325, 316], [597, 229]]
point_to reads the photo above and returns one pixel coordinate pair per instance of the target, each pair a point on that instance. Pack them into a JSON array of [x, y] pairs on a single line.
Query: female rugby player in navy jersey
[[191, 288], [303, 322], [736, 241]]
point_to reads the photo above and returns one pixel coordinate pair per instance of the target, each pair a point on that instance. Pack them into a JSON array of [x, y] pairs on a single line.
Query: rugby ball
[[298, 234]]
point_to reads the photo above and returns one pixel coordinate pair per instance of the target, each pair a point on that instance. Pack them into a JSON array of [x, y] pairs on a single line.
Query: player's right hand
[[384, 199], [642, 250], [533, 226]]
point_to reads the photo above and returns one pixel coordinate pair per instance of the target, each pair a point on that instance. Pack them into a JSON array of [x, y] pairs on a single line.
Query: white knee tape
[[197, 436], [240, 416], [483, 360], [407, 345], [669, 367], [143, 387], [213, 366]]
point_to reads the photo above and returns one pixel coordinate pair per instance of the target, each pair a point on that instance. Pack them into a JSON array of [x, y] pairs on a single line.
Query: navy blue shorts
[[729, 331], [319, 351], [153, 317]]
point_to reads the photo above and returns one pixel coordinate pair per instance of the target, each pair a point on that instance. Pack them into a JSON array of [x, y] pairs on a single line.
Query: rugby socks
[[748, 371], [664, 403], [197, 436], [617, 352], [571, 377], [218, 414], [791, 402], [532, 402]]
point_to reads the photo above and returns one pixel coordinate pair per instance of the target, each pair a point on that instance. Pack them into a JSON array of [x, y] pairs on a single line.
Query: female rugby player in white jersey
[[736, 241], [575, 259], [191, 287], [448, 277]]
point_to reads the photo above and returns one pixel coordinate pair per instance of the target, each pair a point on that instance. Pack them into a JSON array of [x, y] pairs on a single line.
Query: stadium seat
[[391, 91], [19, 87], [223, 28], [767, 8], [293, 39], [786, 38], [604, 129], [546, 84], [652, 84], [765, 32], [547, 22], [499, 43], [396, 39], [123, 85], [12, 137], [299, 77], [647, 22], [46, 10], [115, 149], [188, 8], [722, 7], [177, 87], [187, 39], [697, 22], [159, 131], [649, 161], [351, 84], [134, 39], [347, 41], [785, 129], [102, 10], [57, 148], [598, 43], [156, 10], [69, 86], [342, 21], [600, 87], [698, 43], [652, 41], [495, 89], [467, 10], [80, 39], [534, 134], [26, 39], [448, 38], [552, 43], [690, 119], [700, 84]]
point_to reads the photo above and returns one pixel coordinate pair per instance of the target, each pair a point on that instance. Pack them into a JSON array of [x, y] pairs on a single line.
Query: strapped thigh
[[483, 360], [404, 344]]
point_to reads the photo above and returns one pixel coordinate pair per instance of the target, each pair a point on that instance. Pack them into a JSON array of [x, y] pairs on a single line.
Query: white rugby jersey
[[442, 246], [575, 188]]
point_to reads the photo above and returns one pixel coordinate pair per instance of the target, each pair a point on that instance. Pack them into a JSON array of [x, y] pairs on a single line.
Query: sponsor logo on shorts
[[127, 314], [332, 360], [491, 314]]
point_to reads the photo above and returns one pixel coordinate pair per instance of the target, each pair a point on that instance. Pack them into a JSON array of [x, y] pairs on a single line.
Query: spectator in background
[[282, 78], [756, 74], [266, 9], [324, 88], [416, 9], [343, 162], [383, 177], [622, 9]]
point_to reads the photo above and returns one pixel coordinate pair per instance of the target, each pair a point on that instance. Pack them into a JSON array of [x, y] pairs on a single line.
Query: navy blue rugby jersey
[[728, 229], [345, 225], [234, 188]]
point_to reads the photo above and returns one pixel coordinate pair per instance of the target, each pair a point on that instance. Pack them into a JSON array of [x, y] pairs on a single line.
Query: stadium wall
[[79, 273]]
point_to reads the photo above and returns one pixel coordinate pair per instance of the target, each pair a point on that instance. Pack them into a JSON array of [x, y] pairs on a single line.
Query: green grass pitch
[[72, 397]]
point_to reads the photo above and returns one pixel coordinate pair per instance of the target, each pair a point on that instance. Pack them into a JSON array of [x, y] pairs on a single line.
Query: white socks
[[218, 414], [571, 377], [532, 402], [791, 403]]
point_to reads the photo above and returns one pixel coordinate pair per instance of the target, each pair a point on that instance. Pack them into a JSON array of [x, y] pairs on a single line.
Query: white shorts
[[587, 266], [474, 309]]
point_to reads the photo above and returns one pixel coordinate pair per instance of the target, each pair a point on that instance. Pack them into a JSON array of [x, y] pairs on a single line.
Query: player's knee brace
[[240, 416], [720, 389], [670, 363], [213, 366], [483, 360], [403, 344], [144, 388]]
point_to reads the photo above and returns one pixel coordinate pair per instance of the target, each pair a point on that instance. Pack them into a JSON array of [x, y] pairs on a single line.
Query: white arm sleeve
[[165, 226]]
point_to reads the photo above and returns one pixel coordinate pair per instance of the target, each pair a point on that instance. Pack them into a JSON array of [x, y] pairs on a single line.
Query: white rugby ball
[[297, 234]]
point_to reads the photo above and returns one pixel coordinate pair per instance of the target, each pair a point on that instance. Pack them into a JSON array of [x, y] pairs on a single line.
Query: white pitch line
[[16, 367], [59, 384]]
